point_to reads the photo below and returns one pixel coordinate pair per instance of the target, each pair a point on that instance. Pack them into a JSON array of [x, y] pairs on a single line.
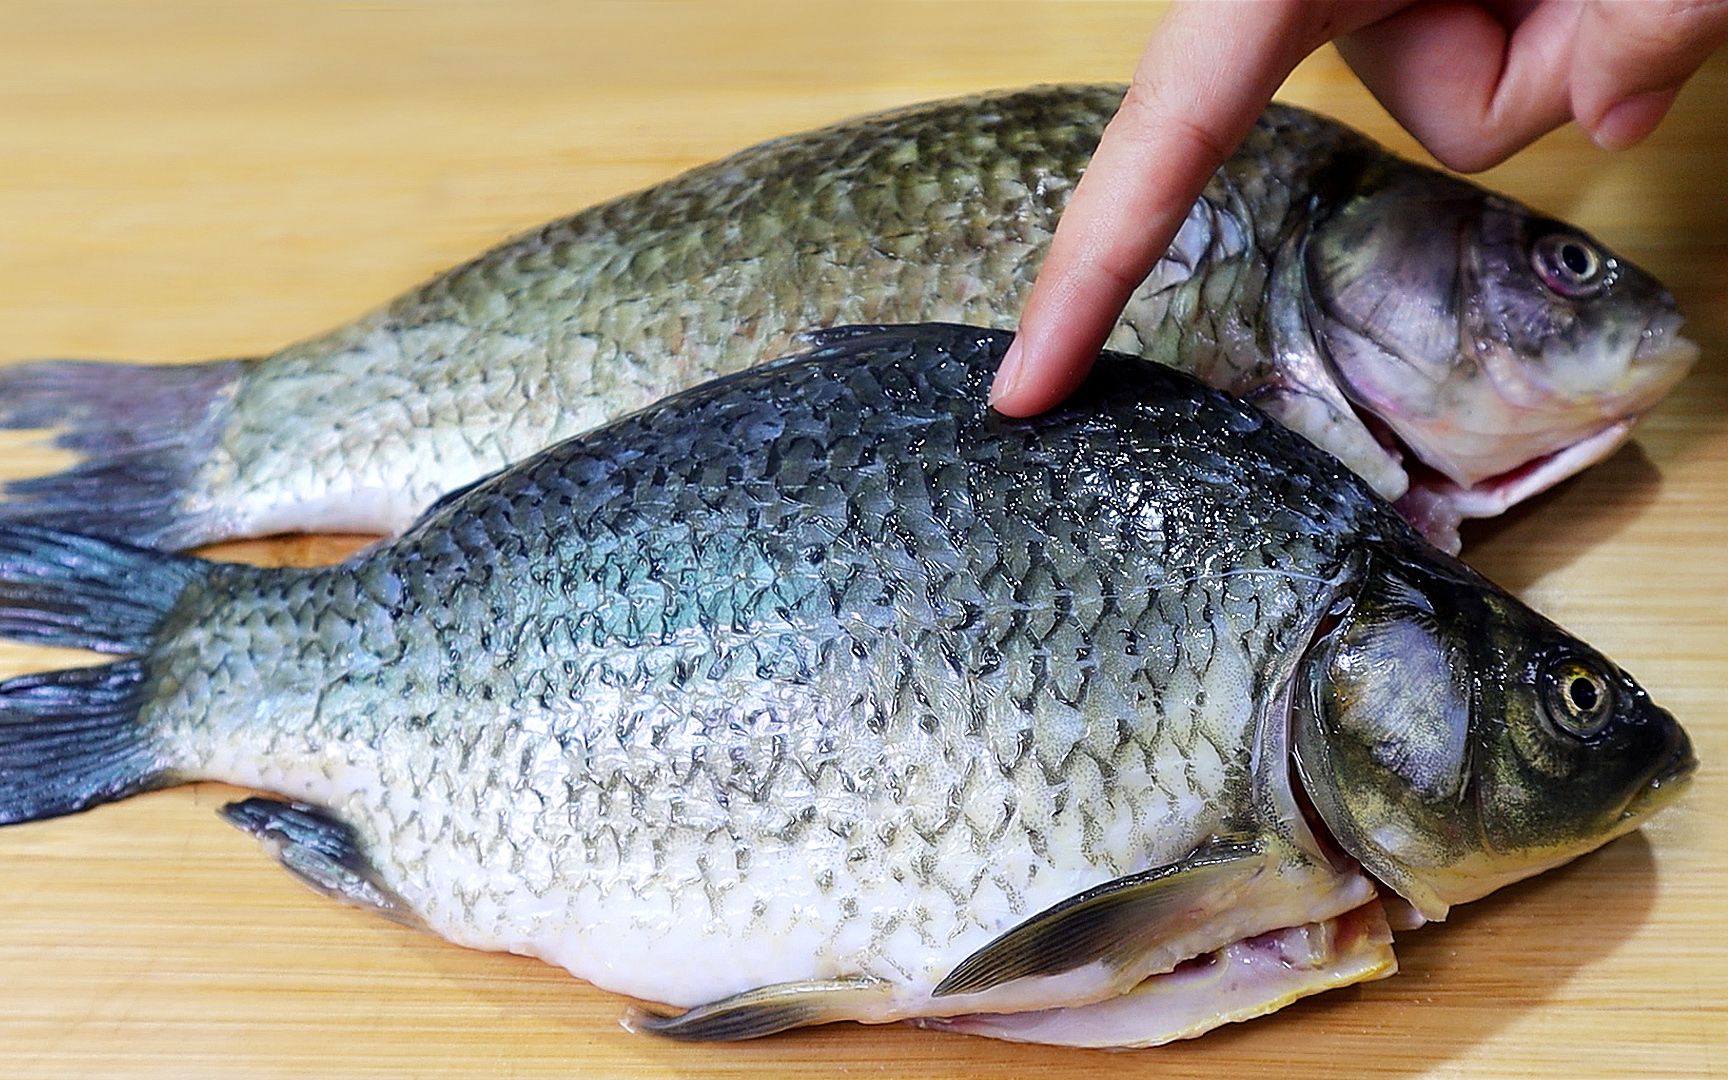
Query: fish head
[[1500, 348], [1452, 740]]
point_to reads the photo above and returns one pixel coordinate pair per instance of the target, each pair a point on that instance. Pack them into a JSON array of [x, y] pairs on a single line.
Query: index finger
[[1203, 80]]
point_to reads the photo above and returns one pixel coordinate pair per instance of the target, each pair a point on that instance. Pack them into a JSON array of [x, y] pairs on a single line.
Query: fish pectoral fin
[[1110, 924], [767, 1010], [321, 851]]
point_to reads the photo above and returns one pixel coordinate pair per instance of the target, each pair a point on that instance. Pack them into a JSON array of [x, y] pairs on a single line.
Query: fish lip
[[1663, 358], [1661, 341], [1661, 348], [1498, 493], [1667, 781]]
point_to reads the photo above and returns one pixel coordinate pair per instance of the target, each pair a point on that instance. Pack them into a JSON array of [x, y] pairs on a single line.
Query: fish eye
[[1578, 698], [1570, 265]]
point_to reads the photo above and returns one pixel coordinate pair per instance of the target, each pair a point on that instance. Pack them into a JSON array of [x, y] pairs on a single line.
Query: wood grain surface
[[188, 180]]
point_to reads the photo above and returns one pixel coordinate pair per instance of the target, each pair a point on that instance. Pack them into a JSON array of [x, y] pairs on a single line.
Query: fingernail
[[1008, 373], [1628, 121]]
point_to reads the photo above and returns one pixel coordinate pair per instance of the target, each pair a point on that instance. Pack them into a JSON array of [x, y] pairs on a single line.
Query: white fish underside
[[691, 922]]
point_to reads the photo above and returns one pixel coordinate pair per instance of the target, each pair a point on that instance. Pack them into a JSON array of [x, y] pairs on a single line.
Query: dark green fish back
[[865, 482]]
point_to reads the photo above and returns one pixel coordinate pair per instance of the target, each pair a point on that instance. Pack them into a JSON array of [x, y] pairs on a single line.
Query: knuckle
[[1658, 23]]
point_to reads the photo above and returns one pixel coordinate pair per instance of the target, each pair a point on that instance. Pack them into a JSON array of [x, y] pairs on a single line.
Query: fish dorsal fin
[[321, 851], [455, 494], [767, 1010], [1111, 923]]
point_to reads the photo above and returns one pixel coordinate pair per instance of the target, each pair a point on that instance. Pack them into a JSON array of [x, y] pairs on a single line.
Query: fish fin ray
[[71, 739], [322, 851], [67, 589], [444, 501], [74, 738], [836, 342], [1110, 924], [765, 1010], [145, 430]]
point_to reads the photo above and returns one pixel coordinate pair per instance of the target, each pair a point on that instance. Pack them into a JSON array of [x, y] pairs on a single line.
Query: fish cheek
[[1543, 790], [1383, 742], [1532, 792], [1515, 324], [1385, 281], [1549, 350]]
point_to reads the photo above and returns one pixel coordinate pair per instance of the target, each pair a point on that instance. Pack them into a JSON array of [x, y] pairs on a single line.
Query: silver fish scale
[[824, 654], [937, 212]]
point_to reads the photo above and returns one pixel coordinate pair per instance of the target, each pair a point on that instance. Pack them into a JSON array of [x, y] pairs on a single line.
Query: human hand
[[1473, 80]]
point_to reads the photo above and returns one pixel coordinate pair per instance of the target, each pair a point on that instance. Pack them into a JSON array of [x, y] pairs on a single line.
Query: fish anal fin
[[1113, 923], [767, 1010], [321, 851]]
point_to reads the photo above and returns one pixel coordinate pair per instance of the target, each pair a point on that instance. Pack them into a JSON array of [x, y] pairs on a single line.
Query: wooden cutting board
[[187, 180]]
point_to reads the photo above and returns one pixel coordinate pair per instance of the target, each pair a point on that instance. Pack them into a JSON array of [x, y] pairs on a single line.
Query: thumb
[[1629, 61]]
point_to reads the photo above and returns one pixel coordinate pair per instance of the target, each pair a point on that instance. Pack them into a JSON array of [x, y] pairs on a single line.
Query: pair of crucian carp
[[818, 691]]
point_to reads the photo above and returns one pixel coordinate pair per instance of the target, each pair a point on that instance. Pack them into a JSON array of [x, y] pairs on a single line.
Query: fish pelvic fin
[[767, 1010], [144, 431], [1110, 924], [74, 738], [322, 851], [71, 739]]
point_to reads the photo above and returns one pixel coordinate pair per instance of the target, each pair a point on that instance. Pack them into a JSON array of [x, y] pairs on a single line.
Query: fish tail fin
[[73, 738], [144, 430], [60, 588]]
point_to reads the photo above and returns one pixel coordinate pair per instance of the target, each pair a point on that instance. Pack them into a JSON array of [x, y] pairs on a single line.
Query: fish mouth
[[1496, 494], [1437, 501], [1661, 343], [1667, 781], [1661, 359]]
